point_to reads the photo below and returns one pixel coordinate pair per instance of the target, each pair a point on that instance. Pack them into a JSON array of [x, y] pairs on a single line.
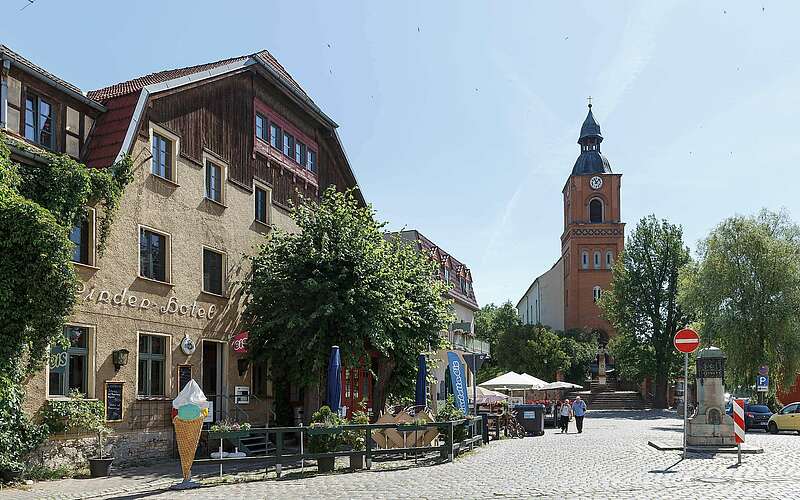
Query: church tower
[[593, 232]]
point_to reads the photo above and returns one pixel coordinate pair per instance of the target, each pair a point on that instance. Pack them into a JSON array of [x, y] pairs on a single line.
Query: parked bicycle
[[513, 427]]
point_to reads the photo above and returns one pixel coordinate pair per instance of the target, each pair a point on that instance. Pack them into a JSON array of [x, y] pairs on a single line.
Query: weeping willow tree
[[745, 290]]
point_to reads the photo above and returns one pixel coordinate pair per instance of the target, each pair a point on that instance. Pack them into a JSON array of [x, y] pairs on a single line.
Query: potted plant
[[325, 436], [356, 439], [448, 413], [100, 466]]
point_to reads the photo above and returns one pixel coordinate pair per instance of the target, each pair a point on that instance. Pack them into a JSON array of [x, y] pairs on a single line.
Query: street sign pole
[[685, 398]]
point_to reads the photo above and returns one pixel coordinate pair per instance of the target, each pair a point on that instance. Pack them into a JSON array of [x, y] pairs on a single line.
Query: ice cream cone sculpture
[[190, 408]]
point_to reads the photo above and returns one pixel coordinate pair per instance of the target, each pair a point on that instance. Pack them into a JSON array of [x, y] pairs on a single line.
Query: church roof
[[591, 162], [590, 127]]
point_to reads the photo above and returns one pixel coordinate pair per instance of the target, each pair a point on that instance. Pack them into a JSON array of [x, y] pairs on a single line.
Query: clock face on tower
[[596, 182]]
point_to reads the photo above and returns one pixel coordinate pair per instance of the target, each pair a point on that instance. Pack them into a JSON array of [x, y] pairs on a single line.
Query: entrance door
[[213, 377]]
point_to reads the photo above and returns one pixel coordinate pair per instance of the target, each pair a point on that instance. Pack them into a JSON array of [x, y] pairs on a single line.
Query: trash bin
[[531, 417]]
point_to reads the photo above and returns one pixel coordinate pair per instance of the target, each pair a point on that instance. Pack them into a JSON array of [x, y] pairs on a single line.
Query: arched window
[[597, 260], [609, 259], [585, 259], [595, 211], [596, 292]]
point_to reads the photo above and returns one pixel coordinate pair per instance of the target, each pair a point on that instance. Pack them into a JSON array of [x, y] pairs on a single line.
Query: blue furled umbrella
[[422, 384], [334, 393]]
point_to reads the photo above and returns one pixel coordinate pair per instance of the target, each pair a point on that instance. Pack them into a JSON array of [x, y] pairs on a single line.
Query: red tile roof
[[120, 99]]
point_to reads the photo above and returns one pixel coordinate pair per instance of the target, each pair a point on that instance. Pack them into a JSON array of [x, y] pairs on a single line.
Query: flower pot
[[10, 474], [100, 467], [325, 464], [356, 462]]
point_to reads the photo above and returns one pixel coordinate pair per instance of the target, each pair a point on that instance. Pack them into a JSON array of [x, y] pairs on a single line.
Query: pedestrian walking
[[566, 415], [579, 410]]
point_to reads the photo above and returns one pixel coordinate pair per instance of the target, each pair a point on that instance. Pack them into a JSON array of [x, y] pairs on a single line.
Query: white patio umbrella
[[561, 385], [487, 396], [510, 380]]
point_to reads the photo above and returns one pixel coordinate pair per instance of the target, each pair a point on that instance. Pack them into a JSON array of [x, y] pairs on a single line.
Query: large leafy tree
[[532, 349], [642, 303], [341, 281], [745, 290]]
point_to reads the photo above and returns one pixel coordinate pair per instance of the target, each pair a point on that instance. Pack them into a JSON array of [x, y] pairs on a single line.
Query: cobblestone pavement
[[611, 459]]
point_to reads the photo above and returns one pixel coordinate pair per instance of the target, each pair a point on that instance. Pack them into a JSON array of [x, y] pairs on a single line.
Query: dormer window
[[39, 121]]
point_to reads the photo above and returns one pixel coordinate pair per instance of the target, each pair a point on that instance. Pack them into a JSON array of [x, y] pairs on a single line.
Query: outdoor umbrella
[[422, 383], [334, 393]]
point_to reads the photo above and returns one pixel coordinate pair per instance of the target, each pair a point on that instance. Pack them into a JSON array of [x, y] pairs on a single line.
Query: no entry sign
[[686, 340]]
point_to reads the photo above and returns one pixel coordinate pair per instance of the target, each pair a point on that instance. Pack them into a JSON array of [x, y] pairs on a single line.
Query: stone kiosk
[[711, 426]]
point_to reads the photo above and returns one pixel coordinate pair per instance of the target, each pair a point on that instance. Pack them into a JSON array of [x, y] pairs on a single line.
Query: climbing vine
[[40, 202]]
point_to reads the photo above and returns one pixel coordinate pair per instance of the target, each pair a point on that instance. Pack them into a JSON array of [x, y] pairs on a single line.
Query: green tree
[[340, 281], [642, 303], [491, 321], [532, 349], [745, 290]]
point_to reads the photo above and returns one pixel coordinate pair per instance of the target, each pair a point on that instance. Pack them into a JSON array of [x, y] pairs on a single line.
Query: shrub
[[18, 435], [356, 438], [325, 418], [76, 415], [447, 413]]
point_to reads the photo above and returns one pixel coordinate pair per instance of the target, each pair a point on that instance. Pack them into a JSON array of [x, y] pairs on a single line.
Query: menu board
[[184, 376], [114, 401]]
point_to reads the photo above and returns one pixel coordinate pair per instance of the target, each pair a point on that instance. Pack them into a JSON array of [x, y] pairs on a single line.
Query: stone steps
[[611, 400]]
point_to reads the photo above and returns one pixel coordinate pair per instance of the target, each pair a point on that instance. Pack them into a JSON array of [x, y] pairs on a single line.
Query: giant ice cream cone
[[187, 434]]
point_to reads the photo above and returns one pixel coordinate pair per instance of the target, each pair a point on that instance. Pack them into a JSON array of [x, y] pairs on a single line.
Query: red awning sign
[[686, 340], [239, 342]]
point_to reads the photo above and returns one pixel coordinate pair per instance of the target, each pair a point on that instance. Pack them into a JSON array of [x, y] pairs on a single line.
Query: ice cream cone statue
[[189, 409]]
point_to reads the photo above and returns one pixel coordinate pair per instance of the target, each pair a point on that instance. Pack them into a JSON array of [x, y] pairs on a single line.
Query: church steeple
[[591, 161]]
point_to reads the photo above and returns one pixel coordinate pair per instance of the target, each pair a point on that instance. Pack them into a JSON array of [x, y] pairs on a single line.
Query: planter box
[[356, 462], [322, 431], [326, 464], [228, 435]]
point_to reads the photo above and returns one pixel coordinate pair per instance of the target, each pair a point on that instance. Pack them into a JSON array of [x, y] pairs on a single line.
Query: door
[[213, 378]]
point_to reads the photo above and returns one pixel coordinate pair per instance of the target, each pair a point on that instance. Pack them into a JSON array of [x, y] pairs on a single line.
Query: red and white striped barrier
[[738, 420]]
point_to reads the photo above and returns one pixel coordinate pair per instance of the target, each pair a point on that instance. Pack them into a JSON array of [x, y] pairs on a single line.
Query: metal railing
[[227, 407], [282, 455]]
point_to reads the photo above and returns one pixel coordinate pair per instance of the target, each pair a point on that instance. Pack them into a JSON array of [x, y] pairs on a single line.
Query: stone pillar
[[711, 426]]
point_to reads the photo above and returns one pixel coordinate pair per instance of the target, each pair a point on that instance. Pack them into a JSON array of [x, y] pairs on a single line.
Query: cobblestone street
[[610, 459]]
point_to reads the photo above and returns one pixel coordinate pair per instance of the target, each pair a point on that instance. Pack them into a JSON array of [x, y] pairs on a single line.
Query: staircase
[[255, 444], [607, 397]]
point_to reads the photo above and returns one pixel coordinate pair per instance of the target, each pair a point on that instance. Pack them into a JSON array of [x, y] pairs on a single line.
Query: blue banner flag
[[458, 377]]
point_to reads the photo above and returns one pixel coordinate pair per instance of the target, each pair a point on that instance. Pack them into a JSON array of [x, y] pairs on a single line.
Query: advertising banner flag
[[458, 378]]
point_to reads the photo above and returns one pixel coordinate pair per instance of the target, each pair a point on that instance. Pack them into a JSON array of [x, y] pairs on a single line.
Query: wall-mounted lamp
[[120, 358], [242, 364]]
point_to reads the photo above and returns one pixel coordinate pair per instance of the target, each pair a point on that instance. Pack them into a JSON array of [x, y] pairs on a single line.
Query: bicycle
[[513, 427]]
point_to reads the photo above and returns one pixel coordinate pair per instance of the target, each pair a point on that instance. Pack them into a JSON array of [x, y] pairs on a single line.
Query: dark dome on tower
[[591, 161]]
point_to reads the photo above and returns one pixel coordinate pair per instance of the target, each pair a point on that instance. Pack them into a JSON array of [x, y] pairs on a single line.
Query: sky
[[460, 118]]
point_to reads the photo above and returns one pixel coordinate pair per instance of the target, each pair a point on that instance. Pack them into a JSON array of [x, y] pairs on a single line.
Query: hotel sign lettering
[[126, 299]]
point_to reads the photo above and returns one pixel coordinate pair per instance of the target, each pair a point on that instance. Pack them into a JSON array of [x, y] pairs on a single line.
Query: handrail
[[282, 456]]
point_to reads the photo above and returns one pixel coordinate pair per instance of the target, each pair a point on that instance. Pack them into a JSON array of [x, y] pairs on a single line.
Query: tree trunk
[[660, 393], [383, 370]]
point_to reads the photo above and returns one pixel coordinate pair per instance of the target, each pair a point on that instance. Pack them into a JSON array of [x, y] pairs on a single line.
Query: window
[[446, 274], [609, 259], [162, 156], [275, 138], [300, 153], [82, 236], [261, 127], [596, 292], [263, 203], [597, 260], [213, 271], [585, 259], [39, 121], [462, 284], [213, 181], [311, 160], [153, 255], [152, 365], [69, 370], [595, 211], [288, 145]]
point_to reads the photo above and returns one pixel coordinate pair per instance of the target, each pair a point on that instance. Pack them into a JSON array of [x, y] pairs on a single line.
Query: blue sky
[[461, 118]]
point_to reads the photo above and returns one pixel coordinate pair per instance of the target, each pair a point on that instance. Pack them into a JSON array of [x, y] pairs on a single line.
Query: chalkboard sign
[[114, 401], [184, 376]]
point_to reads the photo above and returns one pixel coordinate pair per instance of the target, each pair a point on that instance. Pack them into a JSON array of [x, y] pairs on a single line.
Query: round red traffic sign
[[686, 340]]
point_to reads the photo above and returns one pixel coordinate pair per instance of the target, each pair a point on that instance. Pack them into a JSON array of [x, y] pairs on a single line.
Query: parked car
[[755, 416], [787, 419]]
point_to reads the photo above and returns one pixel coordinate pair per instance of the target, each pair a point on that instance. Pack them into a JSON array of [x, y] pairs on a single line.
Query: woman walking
[[566, 415]]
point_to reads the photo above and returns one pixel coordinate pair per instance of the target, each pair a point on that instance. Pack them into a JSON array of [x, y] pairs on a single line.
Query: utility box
[[531, 417]]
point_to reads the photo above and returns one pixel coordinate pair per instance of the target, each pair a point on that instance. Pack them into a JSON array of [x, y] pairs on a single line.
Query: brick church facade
[[565, 297]]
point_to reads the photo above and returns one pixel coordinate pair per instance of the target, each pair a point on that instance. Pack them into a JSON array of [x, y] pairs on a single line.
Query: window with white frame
[[154, 255], [152, 359], [263, 202], [585, 259], [609, 259], [82, 236], [69, 369], [215, 181], [596, 293], [39, 120], [597, 260], [261, 127], [164, 153], [213, 271]]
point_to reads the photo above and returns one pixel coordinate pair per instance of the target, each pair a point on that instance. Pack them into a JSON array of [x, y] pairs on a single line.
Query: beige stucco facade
[[543, 302], [118, 305]]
